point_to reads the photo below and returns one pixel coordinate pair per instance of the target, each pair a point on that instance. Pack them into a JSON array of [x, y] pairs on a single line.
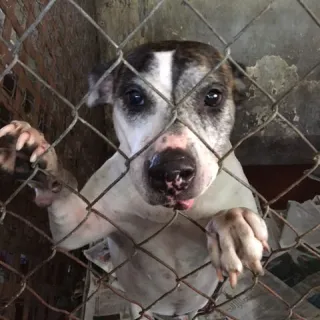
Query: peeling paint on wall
[[274, 74], [276, 77], [278, 140]]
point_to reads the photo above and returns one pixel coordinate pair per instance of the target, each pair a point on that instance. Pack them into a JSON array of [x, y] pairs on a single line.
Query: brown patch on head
[[191, 53], [186, 53]]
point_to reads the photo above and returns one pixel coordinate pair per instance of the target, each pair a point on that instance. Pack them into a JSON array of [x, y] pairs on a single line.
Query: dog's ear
[[103, 93], [240, 87]]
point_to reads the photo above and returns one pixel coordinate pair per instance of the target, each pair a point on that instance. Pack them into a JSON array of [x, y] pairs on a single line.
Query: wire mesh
[[14, 52]]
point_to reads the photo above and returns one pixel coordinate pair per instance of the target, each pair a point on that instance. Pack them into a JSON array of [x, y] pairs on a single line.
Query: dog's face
[[178, 166]]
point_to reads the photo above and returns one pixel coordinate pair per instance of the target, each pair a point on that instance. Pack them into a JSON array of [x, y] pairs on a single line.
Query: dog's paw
[[237, 238], [20, 146]]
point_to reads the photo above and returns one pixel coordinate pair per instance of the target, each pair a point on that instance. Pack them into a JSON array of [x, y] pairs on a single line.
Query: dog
[[176, 172]]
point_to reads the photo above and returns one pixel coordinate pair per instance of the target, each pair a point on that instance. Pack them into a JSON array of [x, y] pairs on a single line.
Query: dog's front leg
[[236, 238], [20, 146]]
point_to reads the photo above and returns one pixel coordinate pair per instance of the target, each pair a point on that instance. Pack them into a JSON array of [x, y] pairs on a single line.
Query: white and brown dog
[[176, 172]]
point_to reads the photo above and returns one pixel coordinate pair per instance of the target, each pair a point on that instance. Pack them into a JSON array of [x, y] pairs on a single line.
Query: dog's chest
[[154, 267], [180, 244]]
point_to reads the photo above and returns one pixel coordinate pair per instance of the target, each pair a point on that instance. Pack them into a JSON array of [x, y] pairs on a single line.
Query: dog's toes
[[233, 278], [257, 225], [22, 140], [10, 128], [21, 145], [256, 267], [237, 238]]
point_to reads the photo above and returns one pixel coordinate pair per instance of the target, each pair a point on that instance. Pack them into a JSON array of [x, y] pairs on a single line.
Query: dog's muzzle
[[171, 171]]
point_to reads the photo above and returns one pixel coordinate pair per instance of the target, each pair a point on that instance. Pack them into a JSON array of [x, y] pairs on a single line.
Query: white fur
[[162, 75]]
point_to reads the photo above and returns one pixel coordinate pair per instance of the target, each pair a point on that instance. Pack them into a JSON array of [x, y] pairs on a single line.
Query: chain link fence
[[13, 56]]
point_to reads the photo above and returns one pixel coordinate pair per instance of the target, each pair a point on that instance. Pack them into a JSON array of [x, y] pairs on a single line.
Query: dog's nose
[[171, 170]]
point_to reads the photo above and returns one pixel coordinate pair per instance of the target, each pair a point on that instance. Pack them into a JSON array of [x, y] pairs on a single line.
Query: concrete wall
[[279, 49]]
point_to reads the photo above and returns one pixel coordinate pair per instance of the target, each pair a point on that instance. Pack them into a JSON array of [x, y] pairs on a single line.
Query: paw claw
[[22, 140], [219, 274], [233, 278], [33, 157], [266, 246], [257, 268], [237, 238], [7, 129]]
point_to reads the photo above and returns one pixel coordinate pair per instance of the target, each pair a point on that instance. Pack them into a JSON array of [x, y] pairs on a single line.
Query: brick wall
[[62, 50]]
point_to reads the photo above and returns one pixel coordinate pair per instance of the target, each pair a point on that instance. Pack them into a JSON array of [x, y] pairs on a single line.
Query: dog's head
[[178, 166]]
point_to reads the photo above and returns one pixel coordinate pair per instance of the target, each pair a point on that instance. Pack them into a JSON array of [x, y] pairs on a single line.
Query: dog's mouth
[[176, 204], [177, 199]]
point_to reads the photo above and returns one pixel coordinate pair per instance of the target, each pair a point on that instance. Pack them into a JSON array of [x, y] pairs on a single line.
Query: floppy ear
[[240, 86], [103, 93]]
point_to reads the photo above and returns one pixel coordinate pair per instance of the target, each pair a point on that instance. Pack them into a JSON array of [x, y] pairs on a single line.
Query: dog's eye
[[213, 98], [135, 98]]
